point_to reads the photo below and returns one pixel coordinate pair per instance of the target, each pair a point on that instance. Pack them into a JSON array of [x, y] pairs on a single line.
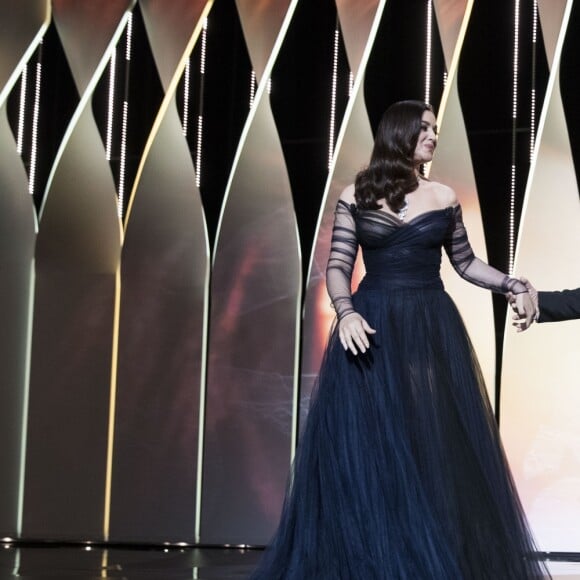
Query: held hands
[[353, 330], [525, 306]]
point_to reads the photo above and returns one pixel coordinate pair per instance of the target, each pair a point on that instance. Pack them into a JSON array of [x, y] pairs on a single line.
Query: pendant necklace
[[403, 211]]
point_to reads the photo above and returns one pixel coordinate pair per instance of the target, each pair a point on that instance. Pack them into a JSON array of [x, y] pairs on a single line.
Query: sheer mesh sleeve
[[471, 268], [343, 250]]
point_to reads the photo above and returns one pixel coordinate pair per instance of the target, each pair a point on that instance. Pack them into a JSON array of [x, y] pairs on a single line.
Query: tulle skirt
[[400, 472]]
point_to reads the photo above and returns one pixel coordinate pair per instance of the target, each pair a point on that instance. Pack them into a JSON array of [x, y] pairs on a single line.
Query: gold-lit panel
[[163, 297]]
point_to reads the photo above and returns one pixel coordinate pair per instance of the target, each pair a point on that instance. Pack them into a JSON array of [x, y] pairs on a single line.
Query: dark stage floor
[[58, 562]]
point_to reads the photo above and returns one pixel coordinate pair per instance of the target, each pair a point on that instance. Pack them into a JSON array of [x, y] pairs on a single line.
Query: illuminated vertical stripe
[[252, 88], [111, 103], [199, 140], [513, 175], [112, 406], [350, 84], [331, 128], [25, 402], [123, 159], [35, 114], [125, 113], [428, 41], [22, 109], [203, 47], [533, 91], [104, 563], [186, 89]]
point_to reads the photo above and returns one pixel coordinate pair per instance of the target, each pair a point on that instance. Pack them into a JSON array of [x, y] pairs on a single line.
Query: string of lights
[[125, 117], [515, 78], [533, 89], [111, 104], [332, 122], [199, 140], [428, 42], [186, 98], [22, 109], [35, 116]]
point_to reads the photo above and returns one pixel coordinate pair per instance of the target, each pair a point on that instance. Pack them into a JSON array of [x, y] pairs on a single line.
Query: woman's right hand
[[353, 330]]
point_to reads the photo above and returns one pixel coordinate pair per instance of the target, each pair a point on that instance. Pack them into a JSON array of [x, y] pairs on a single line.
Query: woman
[[400, 472]]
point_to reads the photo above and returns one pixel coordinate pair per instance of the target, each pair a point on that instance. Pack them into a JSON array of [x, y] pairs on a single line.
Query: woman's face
[[427, 140]]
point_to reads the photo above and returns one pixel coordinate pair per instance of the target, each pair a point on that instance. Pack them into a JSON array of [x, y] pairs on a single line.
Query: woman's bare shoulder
[[347, 194], [444, 195]]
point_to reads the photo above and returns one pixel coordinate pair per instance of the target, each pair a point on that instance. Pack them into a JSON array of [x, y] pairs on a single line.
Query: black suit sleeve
[[559, 305]]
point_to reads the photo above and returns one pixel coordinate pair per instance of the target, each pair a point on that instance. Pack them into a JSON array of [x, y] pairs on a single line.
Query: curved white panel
[[166, 251], [255, 300], [452, 166], [77, 256], [540, 386], [353, 148], [21, 27]]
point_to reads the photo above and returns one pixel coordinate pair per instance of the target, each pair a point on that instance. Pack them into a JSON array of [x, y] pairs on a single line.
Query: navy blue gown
[[400, 473]]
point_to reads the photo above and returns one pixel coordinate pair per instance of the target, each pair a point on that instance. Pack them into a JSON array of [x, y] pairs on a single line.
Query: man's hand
[[525, 306]]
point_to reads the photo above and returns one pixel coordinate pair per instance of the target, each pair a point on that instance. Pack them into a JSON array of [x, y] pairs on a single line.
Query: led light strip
[[533, 91], [333, 95], [428, 42], [35, 113], [123, 155], [252, 88], [186, 88], [199, 141], [111, 104], [22, 109], [513, 176]]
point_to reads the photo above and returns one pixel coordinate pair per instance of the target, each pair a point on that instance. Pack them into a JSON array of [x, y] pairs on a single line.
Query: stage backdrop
[[169, 171]]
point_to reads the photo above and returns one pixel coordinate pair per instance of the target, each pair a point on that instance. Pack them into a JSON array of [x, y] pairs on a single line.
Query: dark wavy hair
[[391, 171]]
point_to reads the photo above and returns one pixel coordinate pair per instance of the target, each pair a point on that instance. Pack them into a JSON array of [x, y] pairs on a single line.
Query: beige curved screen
[[452, 166], [353, 147], [163, 296], [255, 288], [540, 387], [22, 25], [77, 255]]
